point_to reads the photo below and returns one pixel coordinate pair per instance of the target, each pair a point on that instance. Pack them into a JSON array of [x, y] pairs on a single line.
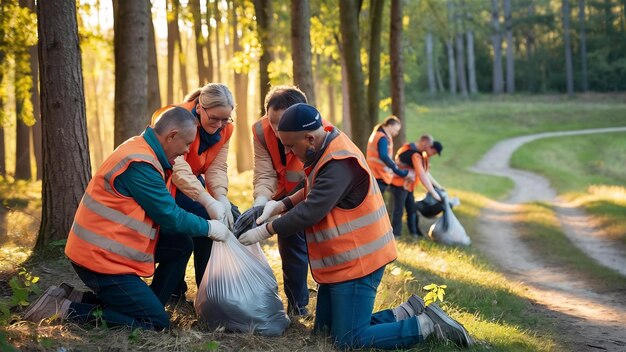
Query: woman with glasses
[[199, 179]]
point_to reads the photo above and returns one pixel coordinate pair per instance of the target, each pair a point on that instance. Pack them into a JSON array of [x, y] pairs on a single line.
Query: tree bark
[[22, 131], [349, 25], [154, 90], [66, 163], [373, 88], [172, 19], [301, 48], [450, 46], [332, 109], [530, 48], [203, 78], [34, 95], [264, 16], [218, 17], [182, 56], [3, 169], [510, 59], [583, 46], [460, 50], [569, 68], [432, 85], [209, 46], [345, 104], [496, 41], [243, 148], [131, 69], [471, 62], [440, 86], [397, 69]]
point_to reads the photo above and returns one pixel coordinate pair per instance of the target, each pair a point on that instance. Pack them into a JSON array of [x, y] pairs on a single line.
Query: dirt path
[[590, 320]]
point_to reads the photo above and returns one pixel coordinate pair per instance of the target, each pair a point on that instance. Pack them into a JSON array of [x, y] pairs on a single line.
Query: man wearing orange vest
[[276, 175], [200, 181], [349, 240], [413, 157], [113, 240], [379, 149]]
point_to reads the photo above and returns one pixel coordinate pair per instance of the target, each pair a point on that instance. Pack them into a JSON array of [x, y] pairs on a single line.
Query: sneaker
[[297, 311], [71, 293], [447, 328], [49, 305], [417, 303]]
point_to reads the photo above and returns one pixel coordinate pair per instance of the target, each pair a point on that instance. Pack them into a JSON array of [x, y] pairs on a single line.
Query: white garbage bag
[[239, 291], [447, 229]]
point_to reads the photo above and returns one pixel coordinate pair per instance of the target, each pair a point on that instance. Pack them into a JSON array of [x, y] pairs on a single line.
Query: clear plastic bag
[[447, 229], [239, 291]]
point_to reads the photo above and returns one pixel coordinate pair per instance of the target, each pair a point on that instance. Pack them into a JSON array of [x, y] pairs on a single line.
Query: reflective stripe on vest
[[353, 254], [116, 216], [379, 169], [110, 245], [360, 222], [123, 162]]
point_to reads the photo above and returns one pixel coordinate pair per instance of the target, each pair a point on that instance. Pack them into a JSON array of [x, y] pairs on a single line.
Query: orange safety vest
[[348, 244], [379, 169], [111, 233], [199, 163], [401, 181], [289, 175]]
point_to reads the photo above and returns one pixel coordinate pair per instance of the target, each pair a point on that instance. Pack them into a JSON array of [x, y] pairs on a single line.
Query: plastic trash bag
[[239, 291], [247, 220], [447, 229], [429, 207]]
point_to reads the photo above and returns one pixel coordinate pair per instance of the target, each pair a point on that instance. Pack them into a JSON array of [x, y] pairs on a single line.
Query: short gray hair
[[175, 117], [212, 95]]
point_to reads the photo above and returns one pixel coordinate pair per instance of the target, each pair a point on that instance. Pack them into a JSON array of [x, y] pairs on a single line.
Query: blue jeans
[[295, 265], [382, 185], [123, 300], [345, 311], [403, 199]]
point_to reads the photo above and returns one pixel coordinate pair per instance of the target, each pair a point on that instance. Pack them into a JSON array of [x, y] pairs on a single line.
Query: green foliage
[[97, 314], [435, 293], [4, 343], [22, 286]]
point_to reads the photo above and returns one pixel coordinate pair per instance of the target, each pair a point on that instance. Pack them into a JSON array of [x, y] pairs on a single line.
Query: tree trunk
[[569, 68], [397, 69], [432, 85], [349, 25], [460, 50], [66, 169], [94, 127], [510, 59], [530, 48], [471, 62], [496, 41], [34, 97], [3, 166], [264, 22], [203, 78], [172, 18], [332, 110], [373, 88], [182, 56], [3, 169], [154, 91], [450, 46], [301, 48], [345, 95], [209, 46], [440, 86], [583, 46], [218, 17], [131, 69], [22, 130], [243, 148]]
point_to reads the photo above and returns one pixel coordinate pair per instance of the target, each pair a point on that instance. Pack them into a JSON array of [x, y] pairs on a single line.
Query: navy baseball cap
[[300, 117], [438, 147]]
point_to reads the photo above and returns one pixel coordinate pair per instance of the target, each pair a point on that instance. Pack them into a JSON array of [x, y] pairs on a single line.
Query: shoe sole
[[39, 302], [442, 319]]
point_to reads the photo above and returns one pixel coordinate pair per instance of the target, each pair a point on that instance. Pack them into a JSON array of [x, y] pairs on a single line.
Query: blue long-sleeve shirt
[[383, 145], [145, 184]]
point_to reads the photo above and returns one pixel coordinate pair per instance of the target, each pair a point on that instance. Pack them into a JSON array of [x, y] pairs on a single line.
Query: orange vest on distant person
[[290, 174], [379, 169], [198, 163], [348, 244], [111, 233], [402, 181]]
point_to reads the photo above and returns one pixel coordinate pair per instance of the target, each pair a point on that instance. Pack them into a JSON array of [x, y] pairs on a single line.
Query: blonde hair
[[212, 95]]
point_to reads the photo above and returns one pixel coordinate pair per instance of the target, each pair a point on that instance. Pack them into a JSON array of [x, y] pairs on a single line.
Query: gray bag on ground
[[239, 290], [447, 229]]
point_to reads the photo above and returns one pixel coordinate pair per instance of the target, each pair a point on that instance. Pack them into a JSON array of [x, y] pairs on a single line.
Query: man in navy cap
[[349, 241]]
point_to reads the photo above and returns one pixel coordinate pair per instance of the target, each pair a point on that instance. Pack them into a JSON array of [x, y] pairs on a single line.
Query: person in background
[[200, 180], [413, 157], [349, 240], [379, 149], [278, 174], [113, 241]]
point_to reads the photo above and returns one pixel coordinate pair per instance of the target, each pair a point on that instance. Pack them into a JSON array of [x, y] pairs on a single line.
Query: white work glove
[[214, 208], [228, 211], [218, 231], [255, 235], [272, 208], [410, 176], [260, 201]]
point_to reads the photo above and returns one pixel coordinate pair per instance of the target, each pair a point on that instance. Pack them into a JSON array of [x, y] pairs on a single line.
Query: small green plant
[[98, 313], [435, 293], [22, 286], [134, 335]]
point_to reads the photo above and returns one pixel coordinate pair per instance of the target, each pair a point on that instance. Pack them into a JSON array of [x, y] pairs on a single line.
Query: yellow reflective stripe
[[294, 176], [353, 225], [126, 160], [258, 131], [110, 245], [118, 217], [352, 254]]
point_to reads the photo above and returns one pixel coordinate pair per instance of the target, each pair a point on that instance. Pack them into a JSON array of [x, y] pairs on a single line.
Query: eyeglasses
[[214, 120]]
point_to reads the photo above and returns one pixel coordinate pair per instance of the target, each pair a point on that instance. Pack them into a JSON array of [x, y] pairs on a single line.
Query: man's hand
[[218, 231], [260, 201], [214, 208], [272, 208], [255, 235], [228, 211]]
